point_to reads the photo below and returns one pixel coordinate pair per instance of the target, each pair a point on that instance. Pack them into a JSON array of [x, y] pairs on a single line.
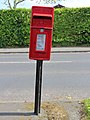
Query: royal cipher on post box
[[41, 32]]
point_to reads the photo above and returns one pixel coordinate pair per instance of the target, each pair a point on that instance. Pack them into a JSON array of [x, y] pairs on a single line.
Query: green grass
[[86, 103]]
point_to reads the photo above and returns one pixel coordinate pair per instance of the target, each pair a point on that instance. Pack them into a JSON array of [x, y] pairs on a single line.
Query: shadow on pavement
[[16, 113]]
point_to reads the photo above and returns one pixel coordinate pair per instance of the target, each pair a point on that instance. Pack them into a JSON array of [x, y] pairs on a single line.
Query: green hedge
[[15, 28], [71, 27]]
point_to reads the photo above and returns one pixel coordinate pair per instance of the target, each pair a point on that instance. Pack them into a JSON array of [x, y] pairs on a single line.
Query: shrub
[[15, 28], [71, 27]]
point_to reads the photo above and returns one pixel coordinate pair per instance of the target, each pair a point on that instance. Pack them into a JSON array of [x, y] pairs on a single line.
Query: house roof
[[58, 6]]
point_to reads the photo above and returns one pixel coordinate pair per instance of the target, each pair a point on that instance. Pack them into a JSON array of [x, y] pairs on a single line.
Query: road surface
[[65, 77]]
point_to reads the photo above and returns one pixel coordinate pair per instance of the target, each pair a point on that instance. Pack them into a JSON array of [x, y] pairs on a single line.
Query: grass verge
[[85, 109]]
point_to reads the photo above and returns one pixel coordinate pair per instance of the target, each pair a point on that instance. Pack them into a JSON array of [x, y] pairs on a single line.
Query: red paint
[[41, 32]]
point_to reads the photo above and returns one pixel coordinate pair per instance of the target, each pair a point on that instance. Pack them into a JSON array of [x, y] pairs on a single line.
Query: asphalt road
[[65, 77]]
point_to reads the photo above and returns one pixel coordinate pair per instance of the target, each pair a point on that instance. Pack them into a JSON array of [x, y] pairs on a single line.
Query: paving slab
[[19, 111]]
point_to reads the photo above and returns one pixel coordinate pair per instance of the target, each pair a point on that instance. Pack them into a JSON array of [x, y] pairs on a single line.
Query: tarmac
[[53, 50], [24, 111]]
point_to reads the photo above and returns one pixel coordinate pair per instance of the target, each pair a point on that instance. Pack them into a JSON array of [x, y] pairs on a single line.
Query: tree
[[16, 2], [48, 1]]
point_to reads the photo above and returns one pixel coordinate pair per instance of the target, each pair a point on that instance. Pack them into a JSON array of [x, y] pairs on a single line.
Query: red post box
[[41, 32]]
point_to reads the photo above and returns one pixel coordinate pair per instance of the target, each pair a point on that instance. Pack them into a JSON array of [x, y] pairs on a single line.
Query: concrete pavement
[[24, 111], [19, 111], [54, 50], [49, 111]]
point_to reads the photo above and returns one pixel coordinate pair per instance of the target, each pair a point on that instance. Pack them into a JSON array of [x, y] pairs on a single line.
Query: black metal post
[[41, 65], [38, 86]]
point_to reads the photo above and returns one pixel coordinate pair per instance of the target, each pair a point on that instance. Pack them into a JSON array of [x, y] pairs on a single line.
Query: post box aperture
[[41, 32]]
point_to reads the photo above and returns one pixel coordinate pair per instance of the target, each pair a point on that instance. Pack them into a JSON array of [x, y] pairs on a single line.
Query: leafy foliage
[[15, 28], [86, 106], [71, 27]]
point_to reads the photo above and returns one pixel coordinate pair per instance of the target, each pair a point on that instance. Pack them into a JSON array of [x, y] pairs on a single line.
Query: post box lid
[[42, 15]]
